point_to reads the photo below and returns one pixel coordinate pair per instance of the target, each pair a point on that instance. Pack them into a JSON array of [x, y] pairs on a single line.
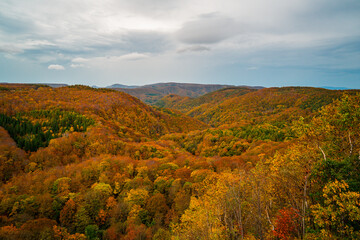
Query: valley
[[179, 161]]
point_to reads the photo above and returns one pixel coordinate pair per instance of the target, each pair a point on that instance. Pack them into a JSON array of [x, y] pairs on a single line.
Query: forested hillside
[[238, 163], [238, 105], [186, 104]]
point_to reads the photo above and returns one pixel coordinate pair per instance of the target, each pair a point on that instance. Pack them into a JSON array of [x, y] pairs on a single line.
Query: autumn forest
[[236, 163]]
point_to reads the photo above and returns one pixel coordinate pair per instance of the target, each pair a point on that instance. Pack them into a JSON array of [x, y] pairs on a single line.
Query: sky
[[136, 42]]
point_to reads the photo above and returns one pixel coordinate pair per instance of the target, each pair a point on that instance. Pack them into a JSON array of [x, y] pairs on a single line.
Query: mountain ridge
[[152, 93], [230, 105]]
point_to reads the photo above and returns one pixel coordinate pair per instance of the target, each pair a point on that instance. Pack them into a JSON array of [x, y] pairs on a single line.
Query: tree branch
[[322, 152], [351, 146]]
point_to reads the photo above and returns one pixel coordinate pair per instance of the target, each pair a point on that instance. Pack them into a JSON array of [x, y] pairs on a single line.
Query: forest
[[82, 163]]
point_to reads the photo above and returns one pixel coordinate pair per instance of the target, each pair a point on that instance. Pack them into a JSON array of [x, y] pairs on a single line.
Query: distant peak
[[335, 88], [121, 86]]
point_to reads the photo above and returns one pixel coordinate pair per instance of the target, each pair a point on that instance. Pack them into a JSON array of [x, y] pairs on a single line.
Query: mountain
[[121, 86], [113, 108], [335, 88], [268, 104], [56, 85], [185, 104], [152, 93], [188, 88], [245, 105], [16, 86]]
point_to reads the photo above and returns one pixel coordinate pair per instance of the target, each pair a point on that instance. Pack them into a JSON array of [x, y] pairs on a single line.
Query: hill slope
[[108, 107], [269, 104], [186, 104], [243, 106]]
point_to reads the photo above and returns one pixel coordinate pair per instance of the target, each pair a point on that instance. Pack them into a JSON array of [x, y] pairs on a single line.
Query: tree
[[91, 232], [35, 229], [137, 196], [67, 215], [286, 224], [339, 215], [156, 206]]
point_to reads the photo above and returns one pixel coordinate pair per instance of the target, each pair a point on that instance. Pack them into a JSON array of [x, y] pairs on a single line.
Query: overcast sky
[[136, 42]]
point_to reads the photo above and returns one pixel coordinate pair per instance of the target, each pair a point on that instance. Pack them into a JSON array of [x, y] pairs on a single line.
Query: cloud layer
[[208, 29], [103, 42]]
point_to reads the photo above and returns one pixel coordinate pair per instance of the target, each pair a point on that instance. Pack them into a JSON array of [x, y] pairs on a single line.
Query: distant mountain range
[[152, 93], [56, 85], [121, 86], [335, 88]]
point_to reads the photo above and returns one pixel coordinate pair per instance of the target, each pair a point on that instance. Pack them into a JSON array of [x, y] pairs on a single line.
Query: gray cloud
[[9, 49], [342, 47], [208, 29], [151, 7], [328, 15], [145, 41], [197, 48], [106, 45], [328, 18], [11, 25]]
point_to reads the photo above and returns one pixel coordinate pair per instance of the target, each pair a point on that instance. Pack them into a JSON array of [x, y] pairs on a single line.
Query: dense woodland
[[237, 163]]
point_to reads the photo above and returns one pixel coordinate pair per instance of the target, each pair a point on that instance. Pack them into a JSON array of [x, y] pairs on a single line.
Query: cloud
[[107, 61], [11, 49], [118, 39], [56, 67], [151, 7], [144, 41], [197, 48], [16, 25], [208, 29], [27, 45], [130, 57], [77, 65], [133, 56], [79, 60]]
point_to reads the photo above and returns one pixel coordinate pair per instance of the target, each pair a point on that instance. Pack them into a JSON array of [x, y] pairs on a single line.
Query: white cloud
[[56, 67], [133, 56], [77, 65], [79, 60], [114, 59]]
